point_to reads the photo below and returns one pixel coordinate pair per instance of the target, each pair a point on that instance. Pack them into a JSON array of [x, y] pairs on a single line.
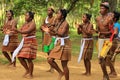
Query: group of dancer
[[10, 43], [56, 42], [108, 39]]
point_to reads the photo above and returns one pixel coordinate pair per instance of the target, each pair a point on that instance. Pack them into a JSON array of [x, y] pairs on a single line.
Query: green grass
[[39, 39], [3, 61], [40, 59]]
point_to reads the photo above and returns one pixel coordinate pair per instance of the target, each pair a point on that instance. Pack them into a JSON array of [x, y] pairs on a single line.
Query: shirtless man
[[103, 22]]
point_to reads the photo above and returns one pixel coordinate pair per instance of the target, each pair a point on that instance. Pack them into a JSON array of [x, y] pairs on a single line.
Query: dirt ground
[[76, 70]]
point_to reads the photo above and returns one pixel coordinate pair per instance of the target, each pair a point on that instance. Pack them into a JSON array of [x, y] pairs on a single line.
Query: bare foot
[[11, 65], [113, 75], [106, 77], [50, 70], [26, 74], [29, 76], [60, 76], [86, 74]]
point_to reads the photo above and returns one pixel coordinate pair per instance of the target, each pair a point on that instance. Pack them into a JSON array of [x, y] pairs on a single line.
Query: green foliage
[[21, 5], [40, 59], [40, 7], [2, 60]]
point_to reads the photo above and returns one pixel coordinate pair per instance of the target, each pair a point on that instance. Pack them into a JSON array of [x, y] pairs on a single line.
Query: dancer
[[62, 49], [10, 41], [27, 53], [104, 21], [86, 29], [115, 42], [48, 39]]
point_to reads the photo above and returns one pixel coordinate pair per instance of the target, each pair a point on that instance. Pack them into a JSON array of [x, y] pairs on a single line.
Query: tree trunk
[[113, 4], [72, 5]]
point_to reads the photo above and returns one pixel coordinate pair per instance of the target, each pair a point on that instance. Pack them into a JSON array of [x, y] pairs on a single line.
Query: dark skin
[[14, 23], [27, 63], [85, 21], [104, 13], [102, 64], [90, 30], [103, 30], [112, 69], [49, 13], [50, 16], [51, 61], [117, 51], [30, 23]]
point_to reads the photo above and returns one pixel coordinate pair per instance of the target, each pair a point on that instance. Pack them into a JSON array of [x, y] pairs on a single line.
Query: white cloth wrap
[[82, 48], [46, 20], [6, 40], [62, 40], [16, 51]]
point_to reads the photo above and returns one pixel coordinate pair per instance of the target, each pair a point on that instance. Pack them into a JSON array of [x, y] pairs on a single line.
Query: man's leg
[[104, 70]]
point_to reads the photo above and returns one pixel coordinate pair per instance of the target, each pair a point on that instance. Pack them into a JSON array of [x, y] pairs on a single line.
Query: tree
[[76, 7]]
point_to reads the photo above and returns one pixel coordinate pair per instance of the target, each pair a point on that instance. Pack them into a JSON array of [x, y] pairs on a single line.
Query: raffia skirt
[[61, 52], [47, 39], [12, 45], [29, 48], [88, 49]]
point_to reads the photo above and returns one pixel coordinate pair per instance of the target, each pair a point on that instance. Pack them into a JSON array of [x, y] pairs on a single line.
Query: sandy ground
[[76, 70]]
